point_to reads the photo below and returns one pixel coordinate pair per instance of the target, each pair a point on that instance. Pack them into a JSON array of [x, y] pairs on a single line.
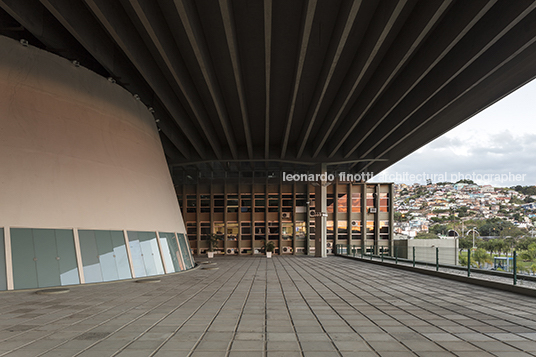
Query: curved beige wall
[[77, 151]]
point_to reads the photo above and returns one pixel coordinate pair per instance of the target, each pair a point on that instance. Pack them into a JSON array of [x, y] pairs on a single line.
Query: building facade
[[85, 191], [246, 213]]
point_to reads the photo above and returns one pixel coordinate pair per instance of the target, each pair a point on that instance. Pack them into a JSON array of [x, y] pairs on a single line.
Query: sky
[[496, 147]]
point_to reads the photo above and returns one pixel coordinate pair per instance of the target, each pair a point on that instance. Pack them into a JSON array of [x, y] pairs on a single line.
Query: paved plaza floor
[[284, 306]]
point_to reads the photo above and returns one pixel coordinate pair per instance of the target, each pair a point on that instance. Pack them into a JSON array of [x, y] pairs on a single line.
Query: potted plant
[[212, 240], [269, 248]]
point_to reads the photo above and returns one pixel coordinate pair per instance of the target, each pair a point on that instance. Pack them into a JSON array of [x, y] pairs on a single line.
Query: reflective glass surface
[[145, 253], [171, 252], [43, 258], [185, 250], [104, 255]]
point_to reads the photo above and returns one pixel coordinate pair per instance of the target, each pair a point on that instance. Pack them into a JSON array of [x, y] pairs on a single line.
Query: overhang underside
[[259, 84]]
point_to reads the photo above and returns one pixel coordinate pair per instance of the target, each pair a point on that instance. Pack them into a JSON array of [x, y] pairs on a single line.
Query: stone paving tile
[[308, 307]]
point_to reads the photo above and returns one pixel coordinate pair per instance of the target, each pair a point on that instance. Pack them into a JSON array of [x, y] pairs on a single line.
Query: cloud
[[493, 159]]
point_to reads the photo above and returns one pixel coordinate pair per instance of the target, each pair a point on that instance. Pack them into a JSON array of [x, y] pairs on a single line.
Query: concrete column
[[321, 219]]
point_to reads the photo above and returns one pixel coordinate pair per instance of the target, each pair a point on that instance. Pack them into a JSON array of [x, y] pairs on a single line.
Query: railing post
[[437, 259], [382, 254], [371, 252], [468, 263], [396, 255], [515, 267], [414, 257]]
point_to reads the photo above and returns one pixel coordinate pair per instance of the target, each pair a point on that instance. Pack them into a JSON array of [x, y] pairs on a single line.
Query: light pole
[[474, 229]]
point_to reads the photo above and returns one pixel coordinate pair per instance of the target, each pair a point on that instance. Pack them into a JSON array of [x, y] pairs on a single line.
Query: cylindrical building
[[85, 191]]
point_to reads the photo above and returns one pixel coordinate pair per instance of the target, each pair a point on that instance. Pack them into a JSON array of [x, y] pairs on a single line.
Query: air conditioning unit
[[355, 223], [372, 210], [329, 245], [285, 215], [287, 250], [230, 251]]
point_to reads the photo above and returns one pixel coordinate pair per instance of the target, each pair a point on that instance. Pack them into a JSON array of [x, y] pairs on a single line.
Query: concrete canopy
[[358, 84]]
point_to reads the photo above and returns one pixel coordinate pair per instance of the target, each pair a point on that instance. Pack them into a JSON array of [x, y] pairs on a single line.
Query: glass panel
[[342, 227], [329, 227], [356, 227], [219, 227], [48, 272], [90, 256], [232, 230], [43, 258], [384, 202], [287, 230], [370, 200], [300, 230], [104, 255], [170, 251], [3, 280], [67, 257], [22, 252], [137, 259], [356, 202], [185, 250], [121, 256], [370, 227], [149, 251], [342, 203]]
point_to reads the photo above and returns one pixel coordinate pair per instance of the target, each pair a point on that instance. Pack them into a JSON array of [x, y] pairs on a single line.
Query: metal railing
[[446, 259]]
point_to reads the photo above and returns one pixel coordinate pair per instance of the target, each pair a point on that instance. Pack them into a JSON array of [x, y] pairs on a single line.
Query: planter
[[210, 254], [268, 254]]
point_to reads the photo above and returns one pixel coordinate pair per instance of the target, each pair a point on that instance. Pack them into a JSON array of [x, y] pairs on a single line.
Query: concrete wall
[[77, 151], [425, 250]]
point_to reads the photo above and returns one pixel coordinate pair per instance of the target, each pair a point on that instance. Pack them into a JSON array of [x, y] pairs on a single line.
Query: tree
[[533, 268], [480, 256], [462, 258], [469, 182], [212, 240], [400, 217], [465, 243], [526, 190]]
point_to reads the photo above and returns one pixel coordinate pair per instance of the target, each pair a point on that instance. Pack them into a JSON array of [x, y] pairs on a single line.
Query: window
[[356, 202], [260, 230], [245, 233], [384, 229], [43, 257], [232, 203], [205, 228], [287, 230], [330, 203], [342, 202], [329, 228], [301, 231], [273, 230], [219, 228], [232, 230], [191, 203], [370, 200], [356, 229], [205, 203], [191, 230], [384, 202], [342, 227], [219, 203], [145, 254]]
